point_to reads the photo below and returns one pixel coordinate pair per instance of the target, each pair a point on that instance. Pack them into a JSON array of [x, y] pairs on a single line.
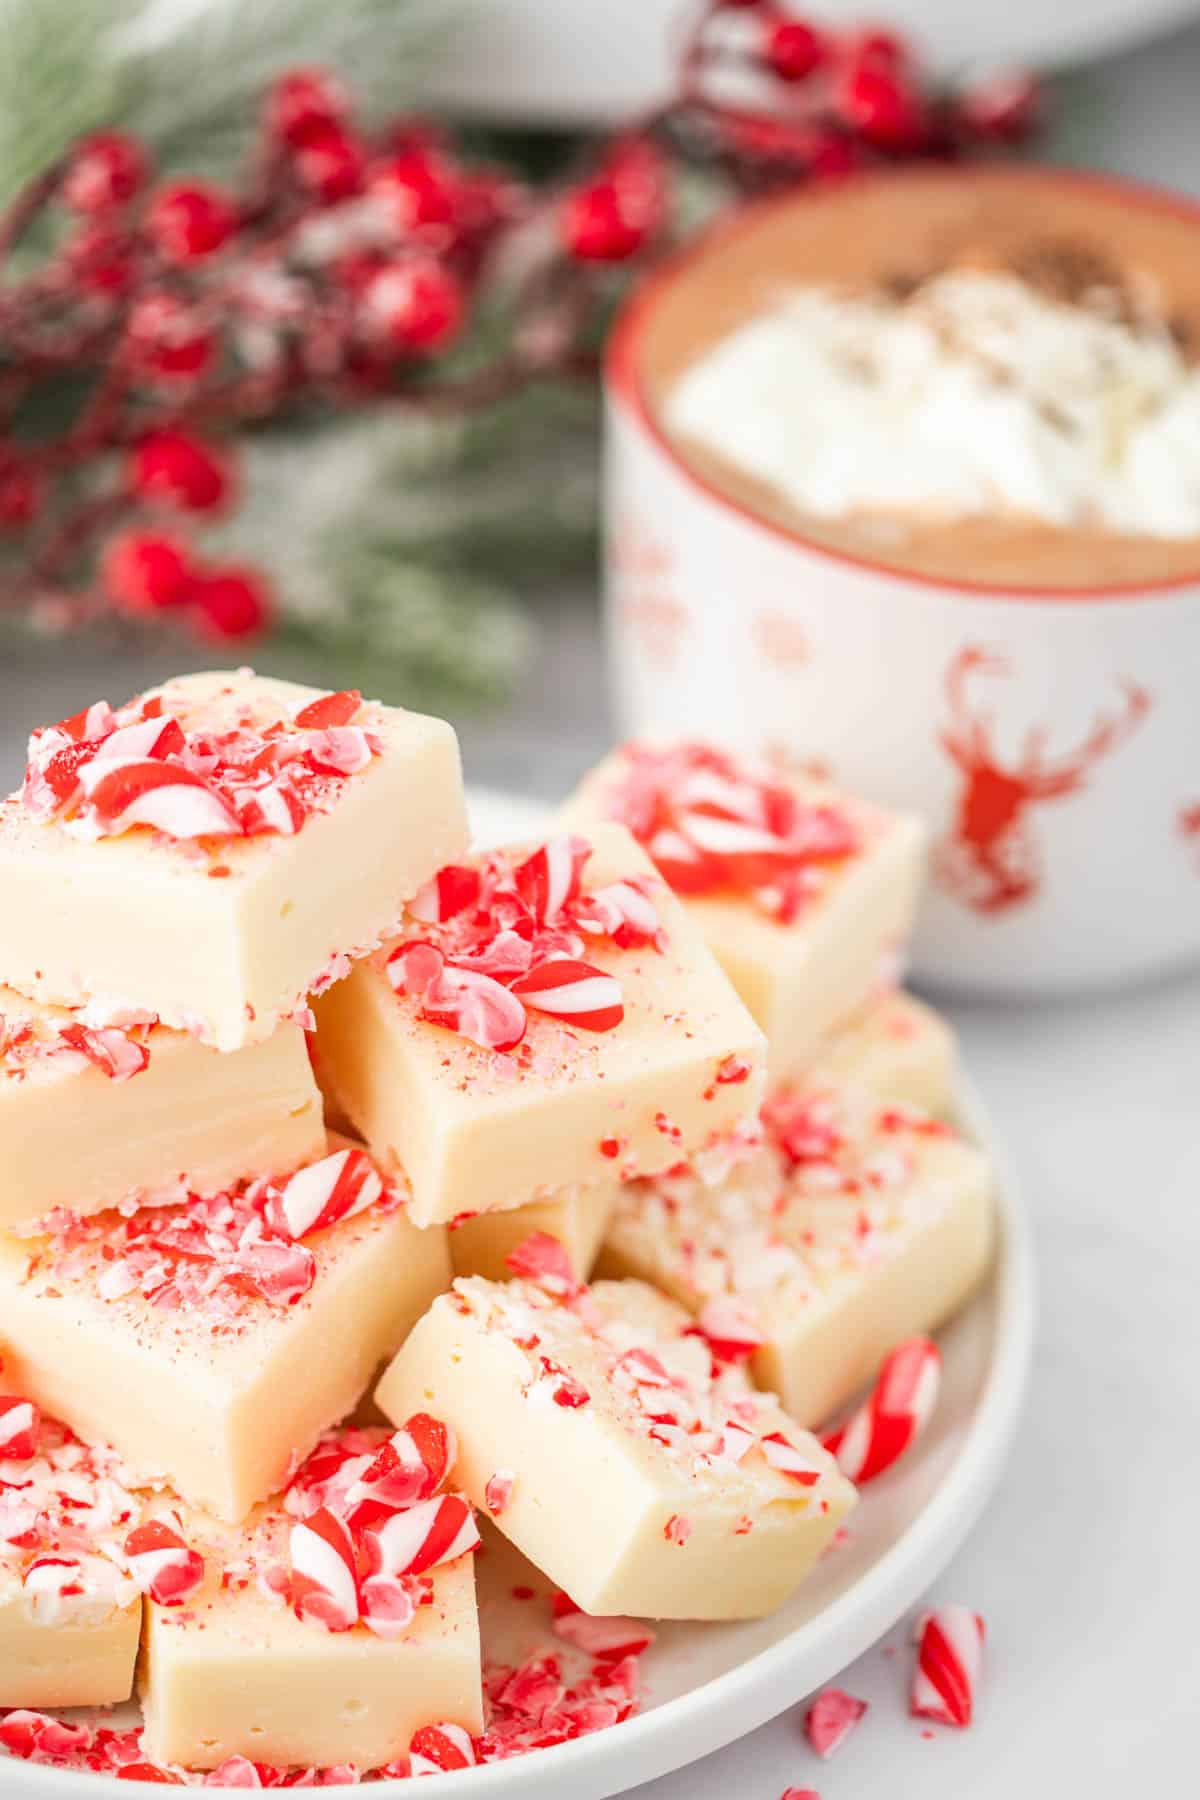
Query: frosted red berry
[[188, 220], [416, 305], [597, 225], [180, 470], [231, 603], [331, 164], [145, 571], [882, 108], [106, 170], [168, 338], [418, 190], [21, 490], [304, 101], [101, 261], [793, 49]]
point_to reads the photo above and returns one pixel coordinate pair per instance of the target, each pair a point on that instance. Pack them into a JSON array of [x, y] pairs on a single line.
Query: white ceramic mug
[[1050, 739]]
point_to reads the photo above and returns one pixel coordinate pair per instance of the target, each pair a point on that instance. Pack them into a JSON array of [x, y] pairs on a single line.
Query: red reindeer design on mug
[[989, 858]]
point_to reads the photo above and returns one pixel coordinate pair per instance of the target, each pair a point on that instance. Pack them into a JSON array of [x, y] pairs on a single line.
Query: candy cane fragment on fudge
[[163, 1564], [949, 1662], [894, 1414], [438, 1748]]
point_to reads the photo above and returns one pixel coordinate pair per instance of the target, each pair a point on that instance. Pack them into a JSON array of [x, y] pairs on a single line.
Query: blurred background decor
[[277, 355]]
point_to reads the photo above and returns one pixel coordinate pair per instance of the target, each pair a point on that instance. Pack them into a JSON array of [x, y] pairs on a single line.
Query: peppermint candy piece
[[20, 1425], [731, 1332], [622, 912], [410, 1466], [388, 1608], [341, 750], [608, 1640], [162, 1564], [831, 1718], [422, 1537], [108, 1048], [498, 1492], [897, 1409], [552, 877], [337, 1187], [949, 1661], [153, 739], [164, 796], [463, 1000], [330, 711], [573, 991], [436, 1748], [324, 1582], [26, 1733], [784, 1456], [543, 1259], [451, 891], [235, 1772], [79, 1587]]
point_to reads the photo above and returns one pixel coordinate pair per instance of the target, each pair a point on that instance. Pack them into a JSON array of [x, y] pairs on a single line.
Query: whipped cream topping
[[974, 394]]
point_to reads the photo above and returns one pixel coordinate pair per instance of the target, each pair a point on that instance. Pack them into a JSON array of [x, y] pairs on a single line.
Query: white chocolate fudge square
[[582, 1056], [94, 1116], [898, 1049], [804, 894], [218, 848], [630, 1470], [861, 1224], [212, 1340], [70, 1615], [577, 1217], [241, 1671]]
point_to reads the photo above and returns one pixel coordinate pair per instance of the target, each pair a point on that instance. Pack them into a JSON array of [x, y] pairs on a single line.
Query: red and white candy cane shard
[[451, 891], [498, 1492], [337, 1187], [437, 1748], [324, 1583], [897, 1409], [736, 1441], [148, 739], [235, 1772], [605, 1639], [162, 1564], [422, 1537], [552, 877], [340, 750], [831, 1718], [949, 1661], [387, 1606], [622, 911], [329, 710], [543, 1259], [20, 1425], [574, 992], [410, 1466], [790, 1461], [462, 1000], [109, 1049], [731, 1331], [165, 796], [26, 1733]]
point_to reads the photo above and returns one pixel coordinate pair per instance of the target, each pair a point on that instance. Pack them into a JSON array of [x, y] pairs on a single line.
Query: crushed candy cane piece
[[324, 1584], [162, 1564], [831, 1718], [336, 1187], [19, 1429], [498, 1492], [437, 1748], [896, 1411], [949, 1662]]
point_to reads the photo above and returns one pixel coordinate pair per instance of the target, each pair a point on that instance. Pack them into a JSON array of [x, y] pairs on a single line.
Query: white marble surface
[[1086, 1563]]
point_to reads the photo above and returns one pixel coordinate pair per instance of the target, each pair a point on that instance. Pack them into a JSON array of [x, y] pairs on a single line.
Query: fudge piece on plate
[[577, 1217], [858, 1225], [91, 1116], [219, 847], [335, 1622], [213, 1339], [70, 1613], [806, 895], [600, 1434], [548, 1017], [898, 1049]]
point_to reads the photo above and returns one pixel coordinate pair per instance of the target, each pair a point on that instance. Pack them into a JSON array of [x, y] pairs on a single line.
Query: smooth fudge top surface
[[226, 758], [196, 1275], [628, 1351], [723, 827], [568, 962]]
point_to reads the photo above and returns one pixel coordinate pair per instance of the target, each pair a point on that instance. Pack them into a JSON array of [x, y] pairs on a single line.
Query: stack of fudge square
[[315, 1127]]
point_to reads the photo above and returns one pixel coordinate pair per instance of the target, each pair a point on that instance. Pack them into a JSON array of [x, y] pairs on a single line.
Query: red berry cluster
[[841, 99]]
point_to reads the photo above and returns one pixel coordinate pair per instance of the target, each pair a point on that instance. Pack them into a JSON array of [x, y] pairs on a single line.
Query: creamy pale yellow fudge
[[291, 1654], [860, 1224], [897, 1049], [211, 1340], [806, 895], [577, 1217], [596, 1429], [70, 1613], [91, 1116], [549, 1017], [218, 848]]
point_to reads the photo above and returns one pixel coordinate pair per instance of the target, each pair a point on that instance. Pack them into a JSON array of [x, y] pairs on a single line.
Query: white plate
[[705, 1685]]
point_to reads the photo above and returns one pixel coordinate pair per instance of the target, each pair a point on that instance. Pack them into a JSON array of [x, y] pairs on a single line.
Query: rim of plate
[[730, 1706]]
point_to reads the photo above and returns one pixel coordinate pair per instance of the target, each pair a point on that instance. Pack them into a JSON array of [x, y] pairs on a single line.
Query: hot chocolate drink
[[990, 377]]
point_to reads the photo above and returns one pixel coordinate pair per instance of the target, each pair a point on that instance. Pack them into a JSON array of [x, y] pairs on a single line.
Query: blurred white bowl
[[579, 60]]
